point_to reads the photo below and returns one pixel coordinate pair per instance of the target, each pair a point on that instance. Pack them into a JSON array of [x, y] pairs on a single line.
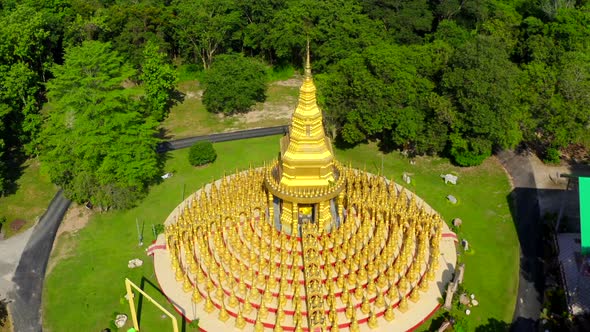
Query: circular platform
[[385, 268]]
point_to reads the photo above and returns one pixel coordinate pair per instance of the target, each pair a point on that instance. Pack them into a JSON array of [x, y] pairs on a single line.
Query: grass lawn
[[190, 118], [491, 270], [85, 289], [32, 196]]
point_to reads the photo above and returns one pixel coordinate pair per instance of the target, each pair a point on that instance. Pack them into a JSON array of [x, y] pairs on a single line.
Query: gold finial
[[307, 62]]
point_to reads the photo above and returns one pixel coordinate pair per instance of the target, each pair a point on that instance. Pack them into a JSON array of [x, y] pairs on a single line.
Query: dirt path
[[75, 219]]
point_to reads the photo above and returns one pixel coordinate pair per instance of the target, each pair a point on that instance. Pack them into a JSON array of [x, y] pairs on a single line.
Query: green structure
[[585, 214]]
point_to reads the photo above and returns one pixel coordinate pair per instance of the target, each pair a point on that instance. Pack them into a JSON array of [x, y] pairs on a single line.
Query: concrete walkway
[[10, 253]]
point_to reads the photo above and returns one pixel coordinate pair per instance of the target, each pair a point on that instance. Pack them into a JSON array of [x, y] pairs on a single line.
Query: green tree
[[380, 93], [405, 20], [128, 25], [24, 58], [2, 150], [233, 84], [96, 143], [337, 29], [556, 59], [484, 85], [202, 153], [256, 23], [158, 78], [205, 28]]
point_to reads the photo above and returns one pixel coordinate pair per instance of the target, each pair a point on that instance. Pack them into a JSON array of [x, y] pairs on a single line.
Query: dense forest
[[459, 78]]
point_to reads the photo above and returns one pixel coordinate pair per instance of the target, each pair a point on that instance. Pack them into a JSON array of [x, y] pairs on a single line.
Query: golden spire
[[307, 63], [306, 153]]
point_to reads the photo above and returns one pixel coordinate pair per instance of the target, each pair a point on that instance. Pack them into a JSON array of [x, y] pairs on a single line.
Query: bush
[[202, 153], [469, 152], [3, 312], [234, 84], [551, 156], [194, 325]]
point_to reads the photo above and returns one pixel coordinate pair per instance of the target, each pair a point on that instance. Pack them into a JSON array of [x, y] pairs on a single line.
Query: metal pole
[[130, 297], [138, 233], [128, 285]]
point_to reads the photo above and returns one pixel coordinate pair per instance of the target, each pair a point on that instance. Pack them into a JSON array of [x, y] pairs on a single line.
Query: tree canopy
[[158, 78], [450, 77], [234, 84], [96, 143]]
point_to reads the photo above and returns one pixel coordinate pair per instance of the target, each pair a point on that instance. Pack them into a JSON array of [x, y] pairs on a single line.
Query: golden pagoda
[[304, 244], [307, 160], [305, 178]]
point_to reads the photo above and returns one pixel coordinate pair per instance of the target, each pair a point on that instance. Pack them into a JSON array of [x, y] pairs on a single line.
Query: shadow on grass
[[176, 97], [163, 156], [142, 286], [341, 144], [146, 283], [493, 325], [438, 320], [15, 167]]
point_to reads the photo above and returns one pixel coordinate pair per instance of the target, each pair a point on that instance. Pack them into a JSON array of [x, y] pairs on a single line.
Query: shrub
[[194, 325], [159, 229], [469, 152], [551, 156], [234, 84], [3, 312], [202, 153]]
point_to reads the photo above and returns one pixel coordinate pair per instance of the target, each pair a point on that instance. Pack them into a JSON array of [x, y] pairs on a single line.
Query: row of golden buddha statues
[[225, 249], [314, 277]]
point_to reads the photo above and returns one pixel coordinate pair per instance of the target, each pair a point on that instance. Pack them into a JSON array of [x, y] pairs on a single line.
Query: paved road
[[528, 227], [30, 273], [222, 137]]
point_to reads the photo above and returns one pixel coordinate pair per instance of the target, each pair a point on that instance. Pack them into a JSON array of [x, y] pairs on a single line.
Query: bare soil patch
[[17, 224], [75, 219], [292, 82], [275, 112], [278, 108], [198, 94]]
